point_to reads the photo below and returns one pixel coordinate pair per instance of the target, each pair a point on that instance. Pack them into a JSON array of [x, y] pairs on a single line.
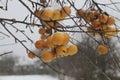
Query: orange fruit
[[47, 56], [31, 55], [104, 26], [110, 32], [110, 21], [43, 37], [96, 13], [61, 50], [72, 50], [56, 15], [80, 13], [46, 14], [58, 38], [102, 49], [65, 11], [40, 44], [49, 42], [96, 23], [103, 18], [67, 38], [54, 55], [90, 15], [41, 30], [37, 13]]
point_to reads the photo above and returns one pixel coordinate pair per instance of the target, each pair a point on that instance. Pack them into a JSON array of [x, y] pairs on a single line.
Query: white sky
[[19, 12]]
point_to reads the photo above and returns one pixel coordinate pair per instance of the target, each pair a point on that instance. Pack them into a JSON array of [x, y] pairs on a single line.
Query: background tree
[[101, 28], [7, 64], [88, 64]]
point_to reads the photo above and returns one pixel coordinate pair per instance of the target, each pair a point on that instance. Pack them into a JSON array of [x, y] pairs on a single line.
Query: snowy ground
[[28, 77]]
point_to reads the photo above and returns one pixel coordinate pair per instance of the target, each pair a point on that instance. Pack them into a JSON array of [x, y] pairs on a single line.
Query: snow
[[28, 77]]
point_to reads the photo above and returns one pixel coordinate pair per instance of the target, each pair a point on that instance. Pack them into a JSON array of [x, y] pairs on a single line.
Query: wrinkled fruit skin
[[61, 50], [46, 14], [40, 44], [47, 56], [58, 39], [65, 11], [49, 42], [72, 50]]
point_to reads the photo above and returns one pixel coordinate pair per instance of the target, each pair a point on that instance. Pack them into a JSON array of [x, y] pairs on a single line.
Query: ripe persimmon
[[61, 50], [46, 14], [56, 15], [67, 38], [49, 42], [58, 38], [72, 50], [47, 56], [40, 44]]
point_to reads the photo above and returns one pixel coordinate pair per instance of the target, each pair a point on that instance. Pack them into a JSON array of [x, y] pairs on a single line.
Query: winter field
[[28, 77]]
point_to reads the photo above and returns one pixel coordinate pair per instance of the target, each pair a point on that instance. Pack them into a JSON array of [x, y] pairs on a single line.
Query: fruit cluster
[[49, 16], [54, 46], [100, 23]]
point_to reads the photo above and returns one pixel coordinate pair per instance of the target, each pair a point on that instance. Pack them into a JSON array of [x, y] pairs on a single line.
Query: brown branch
[[37, 3], [4, 34], [16, 21], [6, 53], [22, 31], [16, 39]]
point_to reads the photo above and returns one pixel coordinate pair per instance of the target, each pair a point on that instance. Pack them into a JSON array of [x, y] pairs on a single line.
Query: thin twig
[[6, 53]]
